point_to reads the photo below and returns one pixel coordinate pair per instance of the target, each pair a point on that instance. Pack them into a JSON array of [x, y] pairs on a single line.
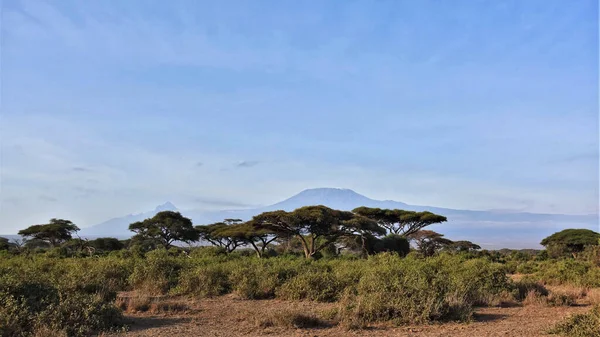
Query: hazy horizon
[[109, 108]]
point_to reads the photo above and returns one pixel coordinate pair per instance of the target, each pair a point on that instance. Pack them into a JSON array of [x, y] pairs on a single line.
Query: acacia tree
[[217, 234], [53, 233], [165, 228], [5, 244], [463, 246], [249, 234], [315, 226], [361, 228], [570, 241], [398, 221], [429, 242]]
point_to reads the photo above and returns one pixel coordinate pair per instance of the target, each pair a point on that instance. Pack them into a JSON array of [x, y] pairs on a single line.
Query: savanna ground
[[230, 316], [206, 292]]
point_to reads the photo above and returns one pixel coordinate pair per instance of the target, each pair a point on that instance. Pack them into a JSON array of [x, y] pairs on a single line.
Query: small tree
[[570, 241], [106, 244], [429, 242], [398, 221], [218, 235], [165, 228], [5, 244], [249, 234], [53, 233], [463, 246]]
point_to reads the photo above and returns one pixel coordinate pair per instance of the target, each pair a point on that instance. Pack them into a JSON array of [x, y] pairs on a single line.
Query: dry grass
[[155, 305], [164, 307], [553, 299], [593, 296], [134, 304], [291, 319]]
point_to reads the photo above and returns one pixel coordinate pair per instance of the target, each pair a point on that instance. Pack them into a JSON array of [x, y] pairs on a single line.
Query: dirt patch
[[228, 316]]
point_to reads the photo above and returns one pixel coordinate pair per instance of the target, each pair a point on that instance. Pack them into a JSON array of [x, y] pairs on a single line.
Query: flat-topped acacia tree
[[398, 221], [315, 226], [218, 234], [247, 233], [570, 241], [165, 228], [55, 232]]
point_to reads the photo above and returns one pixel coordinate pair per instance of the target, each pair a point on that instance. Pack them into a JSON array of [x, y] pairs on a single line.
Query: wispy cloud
[[81, 169], [47, 198], [221, 202], [247, 163]]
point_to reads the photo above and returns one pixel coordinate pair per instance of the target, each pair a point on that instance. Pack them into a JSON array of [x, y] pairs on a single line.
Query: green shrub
[[28, 307], [315, 285], [581, 325], [415, 290], [157, 273], [204, 281]]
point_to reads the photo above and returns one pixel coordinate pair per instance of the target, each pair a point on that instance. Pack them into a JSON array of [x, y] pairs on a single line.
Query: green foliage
[[226, 235], [580, 325], [37, 296], [570, 241], [429, 242], [398, 221], [314, 285], [393, 243], [157, 274], [315, 227], [414, 290], [106, 244], [165, 228], [53, 233], [5, 244]]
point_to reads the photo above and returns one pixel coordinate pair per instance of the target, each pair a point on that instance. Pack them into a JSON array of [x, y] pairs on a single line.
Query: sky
[[113, 107]]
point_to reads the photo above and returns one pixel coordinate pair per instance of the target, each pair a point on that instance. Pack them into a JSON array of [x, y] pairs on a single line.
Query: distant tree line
[[310, 230]]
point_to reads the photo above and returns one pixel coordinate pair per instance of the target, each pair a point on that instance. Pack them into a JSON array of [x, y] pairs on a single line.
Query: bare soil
[[227, 316]]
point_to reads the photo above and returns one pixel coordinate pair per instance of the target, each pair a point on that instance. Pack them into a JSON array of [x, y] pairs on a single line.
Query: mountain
[[119, 227], [490, 229]]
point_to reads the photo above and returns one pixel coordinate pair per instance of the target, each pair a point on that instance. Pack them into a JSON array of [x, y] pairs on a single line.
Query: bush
[[26, 308], [291, 319], [320, 286], [420, 290], [156, 274], [204, 281], [581, 325]]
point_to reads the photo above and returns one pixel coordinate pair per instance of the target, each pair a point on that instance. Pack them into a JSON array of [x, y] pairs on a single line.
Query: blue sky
[[112, 107]]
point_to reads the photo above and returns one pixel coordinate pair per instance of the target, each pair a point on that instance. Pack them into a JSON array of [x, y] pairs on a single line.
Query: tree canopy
[[220, 234], [398, 221], [570, 241], [429, 242], [53, 233], [165, 228], [5, 244], [248, 233], [315, 226], [463, 246]]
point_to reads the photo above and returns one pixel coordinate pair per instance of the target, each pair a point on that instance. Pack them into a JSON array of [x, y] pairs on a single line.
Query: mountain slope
[[487, 228]]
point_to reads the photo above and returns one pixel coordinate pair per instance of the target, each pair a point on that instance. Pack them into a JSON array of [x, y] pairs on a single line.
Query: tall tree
[[247, 233], [398, 221], [53, 233], [315, 226], [570, 241], [463, 246], [5, 244], [429, 242], [165, 228], [218, 235]]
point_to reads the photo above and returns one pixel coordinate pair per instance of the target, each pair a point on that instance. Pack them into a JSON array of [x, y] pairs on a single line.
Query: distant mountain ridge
[[490, 229]]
